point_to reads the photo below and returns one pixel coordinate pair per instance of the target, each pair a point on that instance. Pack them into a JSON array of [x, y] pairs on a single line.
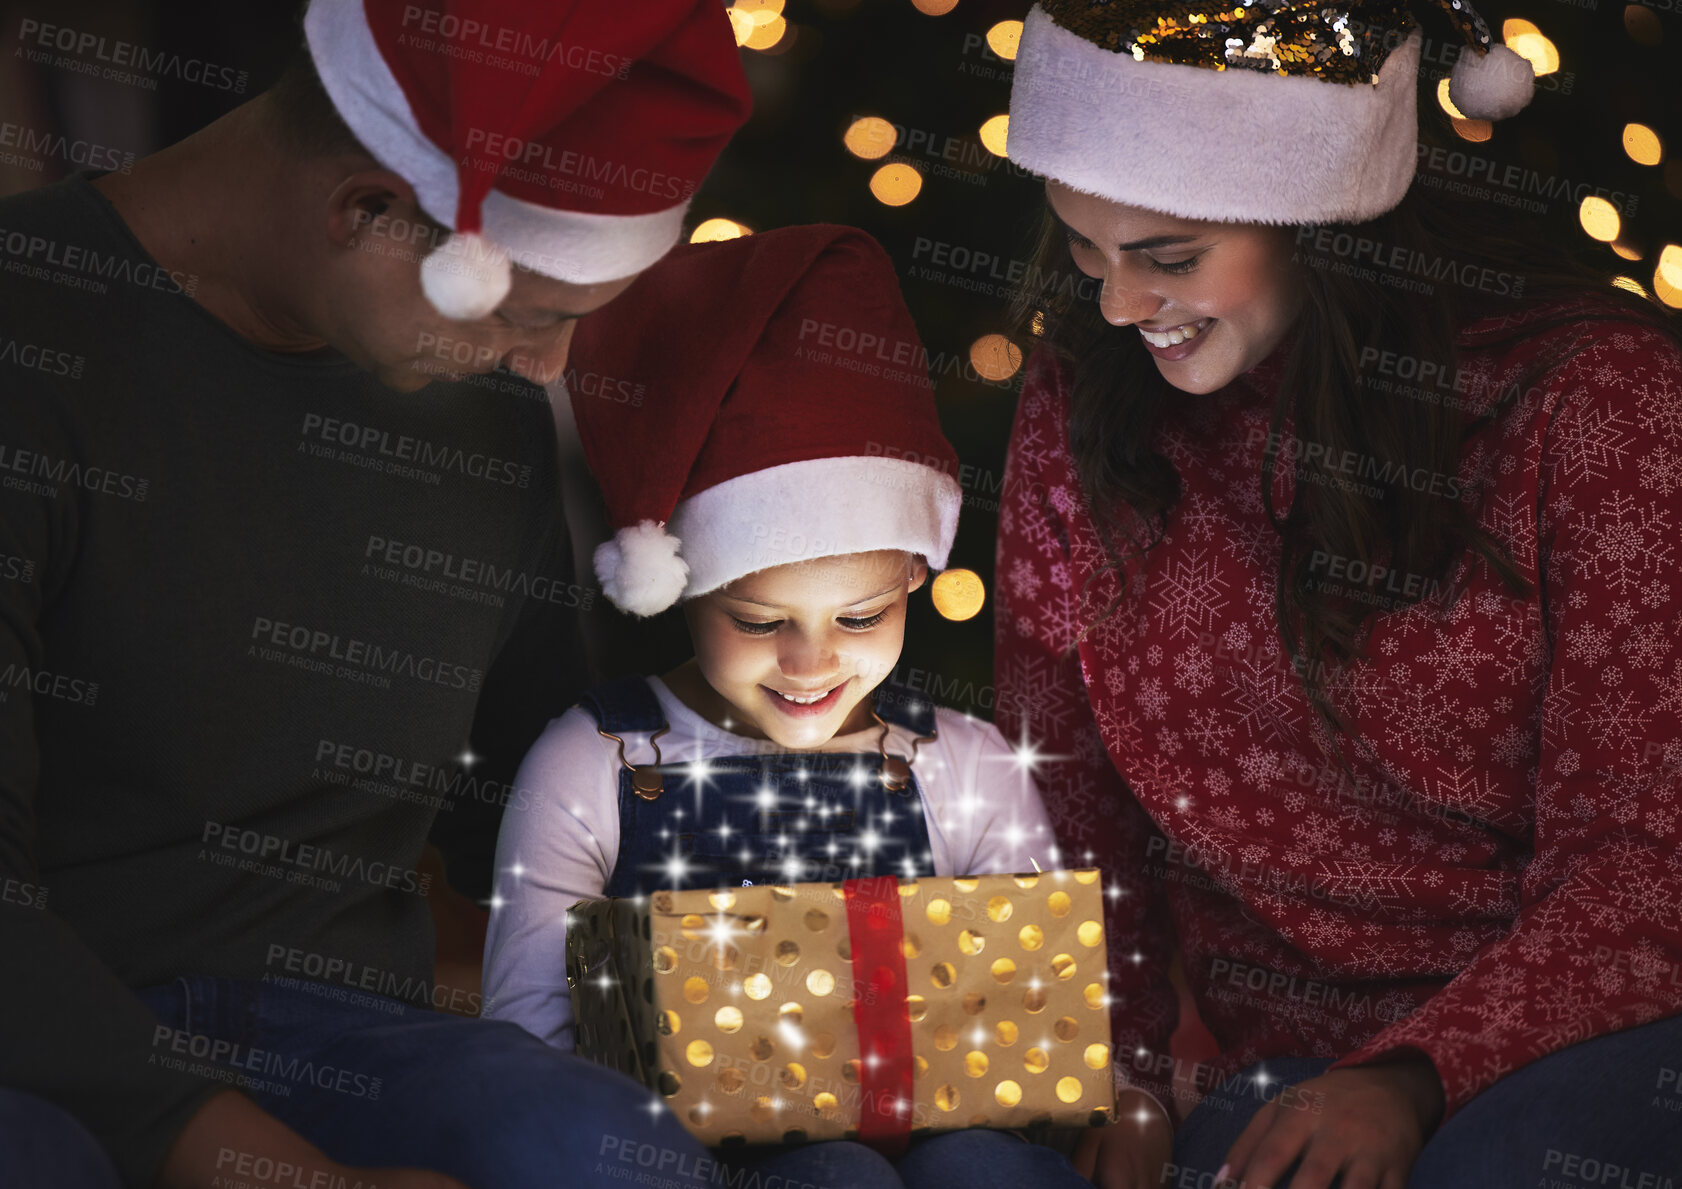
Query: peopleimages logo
[[300, 641], [419, 451], [122, 57]]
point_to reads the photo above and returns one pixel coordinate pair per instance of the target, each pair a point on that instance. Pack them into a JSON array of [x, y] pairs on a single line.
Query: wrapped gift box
[[775, 1014]]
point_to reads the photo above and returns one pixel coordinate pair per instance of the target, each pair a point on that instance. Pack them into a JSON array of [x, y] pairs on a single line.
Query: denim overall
[[774, 817]]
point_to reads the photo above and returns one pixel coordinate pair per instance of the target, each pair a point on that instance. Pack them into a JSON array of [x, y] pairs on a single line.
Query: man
[[266, 516]]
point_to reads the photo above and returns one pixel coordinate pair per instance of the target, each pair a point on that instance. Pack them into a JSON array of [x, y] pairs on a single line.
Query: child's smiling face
[[795, 650]]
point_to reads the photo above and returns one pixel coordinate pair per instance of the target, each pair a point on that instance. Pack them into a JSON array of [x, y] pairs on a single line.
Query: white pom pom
[[1490, 86], [640, 569], [466, 277]]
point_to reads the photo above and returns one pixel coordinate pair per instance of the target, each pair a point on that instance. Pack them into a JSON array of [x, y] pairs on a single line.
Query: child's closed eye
[[851, 622]]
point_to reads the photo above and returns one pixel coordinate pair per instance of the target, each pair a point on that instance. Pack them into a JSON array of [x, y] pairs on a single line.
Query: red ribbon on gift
[[875, 928]]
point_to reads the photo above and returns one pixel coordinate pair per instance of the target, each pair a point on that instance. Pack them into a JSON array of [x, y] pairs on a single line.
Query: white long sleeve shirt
[[560, 838]]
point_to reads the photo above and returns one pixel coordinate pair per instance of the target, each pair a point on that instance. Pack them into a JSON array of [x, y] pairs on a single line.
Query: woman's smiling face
[[1208, 300]]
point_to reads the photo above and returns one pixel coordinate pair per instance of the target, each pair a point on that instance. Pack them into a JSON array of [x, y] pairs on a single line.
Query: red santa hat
[[565, 136], [755, 402], [1264, 111]]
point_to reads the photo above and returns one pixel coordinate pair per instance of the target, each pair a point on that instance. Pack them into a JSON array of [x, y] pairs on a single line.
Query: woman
[[1337, 573]]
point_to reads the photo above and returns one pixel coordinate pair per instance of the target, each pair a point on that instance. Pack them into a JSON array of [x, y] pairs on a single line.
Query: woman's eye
[[1076, 240], [755, 629], [861, 624], [1176, 267]]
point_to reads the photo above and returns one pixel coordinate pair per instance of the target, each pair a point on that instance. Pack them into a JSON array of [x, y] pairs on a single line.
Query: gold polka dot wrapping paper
[[736, 1005]]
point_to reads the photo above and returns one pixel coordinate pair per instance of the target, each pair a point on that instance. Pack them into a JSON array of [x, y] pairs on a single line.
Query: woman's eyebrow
[[1150, 241]]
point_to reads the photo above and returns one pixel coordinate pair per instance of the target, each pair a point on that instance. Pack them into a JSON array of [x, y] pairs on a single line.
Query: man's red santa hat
[[565, 136], [756, 402]]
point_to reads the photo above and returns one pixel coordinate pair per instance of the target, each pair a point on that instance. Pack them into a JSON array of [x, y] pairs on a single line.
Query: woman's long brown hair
[[1118, 399]]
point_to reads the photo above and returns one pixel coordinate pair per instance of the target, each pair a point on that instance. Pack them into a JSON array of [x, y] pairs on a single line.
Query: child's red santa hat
[[565, 136], [755, 402]]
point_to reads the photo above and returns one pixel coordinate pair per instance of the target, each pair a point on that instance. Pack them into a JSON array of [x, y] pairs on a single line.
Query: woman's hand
[[1129, 1153], [1368, 1123]]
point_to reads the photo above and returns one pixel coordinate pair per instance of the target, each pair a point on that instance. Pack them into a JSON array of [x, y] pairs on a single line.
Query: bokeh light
[[1643, 144], [993, 134], [766, 35], [1447, 103], [1004, 37], [870, 137], [1599, 218], [934, 8], [958, 594], [1642, 24], [896, 184], [995, 357], [1527, 41], [1476, 131], [1667, 277], [711, 230]]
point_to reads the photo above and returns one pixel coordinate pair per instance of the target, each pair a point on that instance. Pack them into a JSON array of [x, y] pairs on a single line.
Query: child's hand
[[1368, 1123], [1128, 1154]]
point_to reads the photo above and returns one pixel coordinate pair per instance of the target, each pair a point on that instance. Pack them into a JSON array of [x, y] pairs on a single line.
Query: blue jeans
[[46, 1148], [1603, 1112], [377, 1082]]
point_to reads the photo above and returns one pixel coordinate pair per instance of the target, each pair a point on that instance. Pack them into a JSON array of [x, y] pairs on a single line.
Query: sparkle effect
[[1343, 42]]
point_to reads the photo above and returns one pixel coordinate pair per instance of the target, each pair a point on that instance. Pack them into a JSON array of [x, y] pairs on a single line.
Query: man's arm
[[70, 1031]]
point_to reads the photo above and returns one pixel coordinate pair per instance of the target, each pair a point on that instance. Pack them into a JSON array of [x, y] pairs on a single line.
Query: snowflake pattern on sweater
[[1502, 877]]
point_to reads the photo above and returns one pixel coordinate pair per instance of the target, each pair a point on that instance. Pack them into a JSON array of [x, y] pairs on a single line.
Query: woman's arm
[[1043, 707], [1599, 932], [557, 845], [1598, 938]]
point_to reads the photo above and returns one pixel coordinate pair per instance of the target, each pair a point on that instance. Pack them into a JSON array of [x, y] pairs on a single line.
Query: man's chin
[[408, 379]]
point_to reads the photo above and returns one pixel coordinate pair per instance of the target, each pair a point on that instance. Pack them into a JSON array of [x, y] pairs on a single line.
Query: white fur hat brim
[[799, 511], [1231, 145]]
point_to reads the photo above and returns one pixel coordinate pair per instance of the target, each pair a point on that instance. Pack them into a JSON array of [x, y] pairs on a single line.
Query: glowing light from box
[[1004, 37], [896, 185], [958, 594], [1599, 218], [1526, 40], [934, 8], [1643, 144], [711, 230], [1631, 284], [1667, 277], [993, 134], [869, 138], [995, 357], [1446, 103]]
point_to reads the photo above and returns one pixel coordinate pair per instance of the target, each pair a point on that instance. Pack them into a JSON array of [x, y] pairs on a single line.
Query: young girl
[[788, 442], [1341, 556]]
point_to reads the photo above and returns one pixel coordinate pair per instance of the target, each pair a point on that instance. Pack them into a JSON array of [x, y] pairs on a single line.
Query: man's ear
[[368, 201]]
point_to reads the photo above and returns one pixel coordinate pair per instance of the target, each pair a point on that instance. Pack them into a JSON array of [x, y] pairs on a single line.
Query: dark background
[[933, 78]]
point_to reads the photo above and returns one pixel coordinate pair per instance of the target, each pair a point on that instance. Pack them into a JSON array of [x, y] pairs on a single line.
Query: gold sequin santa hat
[[1285, 113]]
